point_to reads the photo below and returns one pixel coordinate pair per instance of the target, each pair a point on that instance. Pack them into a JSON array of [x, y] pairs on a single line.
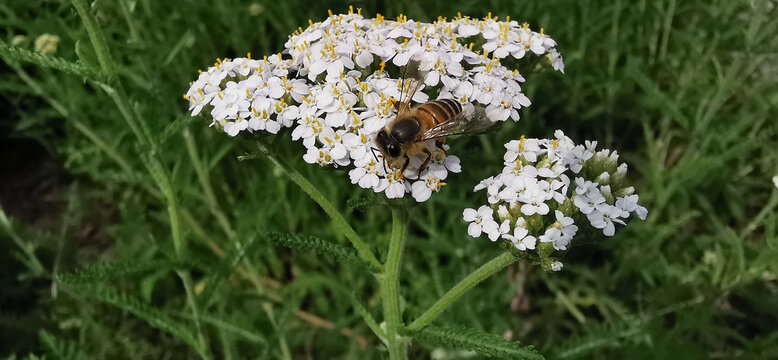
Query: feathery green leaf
[[306, 242], [13, 53], [59, 348], [471, 339], [153, 316], [112, 270], [231, 261]]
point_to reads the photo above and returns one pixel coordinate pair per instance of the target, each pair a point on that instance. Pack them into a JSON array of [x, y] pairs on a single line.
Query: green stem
[[96, 38], [205, 182], [390, 281], [191, 299], [338, 220], [461, 288], [27, 248]]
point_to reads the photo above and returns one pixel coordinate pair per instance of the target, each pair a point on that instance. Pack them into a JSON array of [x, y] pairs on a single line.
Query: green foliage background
[[686, 91]]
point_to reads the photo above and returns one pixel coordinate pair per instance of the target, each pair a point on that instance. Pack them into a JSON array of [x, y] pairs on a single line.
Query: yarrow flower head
[[546, 191], [337, 83]]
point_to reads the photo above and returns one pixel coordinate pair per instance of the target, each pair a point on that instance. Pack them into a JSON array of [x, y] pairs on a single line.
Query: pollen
[[554, 143], [383, 64], [521, 143], [248, 56]]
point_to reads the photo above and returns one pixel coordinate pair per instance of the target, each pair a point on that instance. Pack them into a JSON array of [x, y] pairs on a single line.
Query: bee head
[[388, 145]]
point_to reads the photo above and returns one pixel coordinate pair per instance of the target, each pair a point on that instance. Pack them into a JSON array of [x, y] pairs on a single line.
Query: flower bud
[[47, 44], [627, 191], [606, 192], [503, 214], [603, 179]]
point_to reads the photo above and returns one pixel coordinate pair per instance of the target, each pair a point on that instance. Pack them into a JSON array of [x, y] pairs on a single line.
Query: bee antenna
[[373, 150]]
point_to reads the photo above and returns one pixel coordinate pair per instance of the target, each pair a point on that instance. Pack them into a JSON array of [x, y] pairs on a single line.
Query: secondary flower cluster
[[336, 84], [546, 187]]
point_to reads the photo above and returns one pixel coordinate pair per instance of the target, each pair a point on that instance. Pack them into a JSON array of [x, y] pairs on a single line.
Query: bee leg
[[439, 144], [424, 163], [405, 165]]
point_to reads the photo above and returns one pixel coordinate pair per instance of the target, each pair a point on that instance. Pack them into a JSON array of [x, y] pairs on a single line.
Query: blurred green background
[[685, 91]]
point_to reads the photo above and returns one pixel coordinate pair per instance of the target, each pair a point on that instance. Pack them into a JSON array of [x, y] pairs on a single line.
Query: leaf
[[60, 348], [153, 316], [362, 310], [338, 252], [463, 338], [13, 53], [365, 200], [230, 262], [611, 335], [175, 127], [113, 270], [230, 327]]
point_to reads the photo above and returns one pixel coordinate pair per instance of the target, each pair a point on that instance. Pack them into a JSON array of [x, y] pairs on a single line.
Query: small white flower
[[480, 221], [630, 204], [603, 217], [556, 266], [520, 238]]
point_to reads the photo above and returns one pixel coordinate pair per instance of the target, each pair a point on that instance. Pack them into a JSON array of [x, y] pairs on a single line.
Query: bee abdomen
[[441, 110]]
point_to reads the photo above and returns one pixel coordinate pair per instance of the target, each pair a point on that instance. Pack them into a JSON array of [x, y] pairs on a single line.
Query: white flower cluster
[[332, 84], [533, 205]]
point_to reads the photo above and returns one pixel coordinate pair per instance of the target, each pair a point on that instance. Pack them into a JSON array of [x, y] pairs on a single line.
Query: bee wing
[[411, 82], [466, 122]]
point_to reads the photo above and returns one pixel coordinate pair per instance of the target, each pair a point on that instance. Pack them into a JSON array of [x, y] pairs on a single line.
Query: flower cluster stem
[[390, 281], [338, 220], [483, 272]]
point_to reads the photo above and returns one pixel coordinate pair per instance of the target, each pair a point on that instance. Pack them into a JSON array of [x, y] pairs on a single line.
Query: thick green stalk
[[337, 218], [390, 292], [461, 288]]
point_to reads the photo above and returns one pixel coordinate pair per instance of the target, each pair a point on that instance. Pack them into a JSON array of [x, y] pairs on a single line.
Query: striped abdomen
[[436, 112]]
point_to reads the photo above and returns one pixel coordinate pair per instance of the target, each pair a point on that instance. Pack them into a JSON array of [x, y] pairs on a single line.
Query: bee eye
[[393, 150]]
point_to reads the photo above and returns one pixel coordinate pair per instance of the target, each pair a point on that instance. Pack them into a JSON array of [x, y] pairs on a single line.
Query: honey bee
[[406, 135]]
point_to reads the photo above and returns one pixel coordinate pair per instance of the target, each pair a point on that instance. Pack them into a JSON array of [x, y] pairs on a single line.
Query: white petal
[[474, 230]]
